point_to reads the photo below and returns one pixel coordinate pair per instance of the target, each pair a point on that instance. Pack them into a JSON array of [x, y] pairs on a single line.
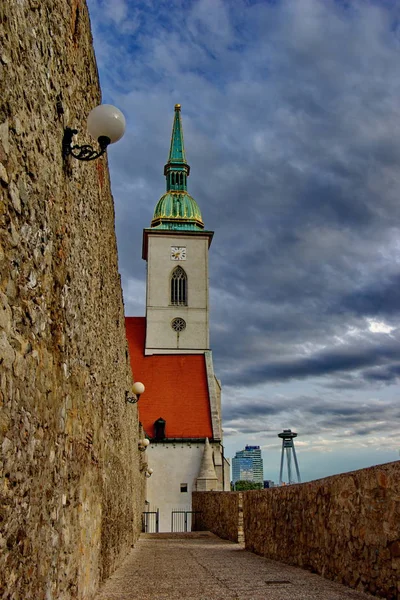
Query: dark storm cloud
[[341, 359], [313, 416], [348, 383], [377, 298], [386, 374], [339, 408], [291, 119]]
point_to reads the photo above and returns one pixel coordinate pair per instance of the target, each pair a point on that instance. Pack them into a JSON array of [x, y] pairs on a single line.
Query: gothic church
[[180, 410]]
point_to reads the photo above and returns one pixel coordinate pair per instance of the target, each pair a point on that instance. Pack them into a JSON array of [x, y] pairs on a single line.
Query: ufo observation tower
[[287, 437]]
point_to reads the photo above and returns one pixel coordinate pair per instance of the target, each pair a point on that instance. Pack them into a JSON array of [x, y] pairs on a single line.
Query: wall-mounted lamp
[[138, 389], [148, 471], [105, 123], [142, 444]]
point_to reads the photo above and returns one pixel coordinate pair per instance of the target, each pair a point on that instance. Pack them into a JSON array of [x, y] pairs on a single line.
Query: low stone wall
[[345, 527], [219, 512]]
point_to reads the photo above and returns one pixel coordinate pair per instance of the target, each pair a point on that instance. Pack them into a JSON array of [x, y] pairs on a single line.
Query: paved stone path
[[201, 566]]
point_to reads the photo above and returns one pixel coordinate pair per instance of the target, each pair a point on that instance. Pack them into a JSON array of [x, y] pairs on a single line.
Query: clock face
[[178, 253]]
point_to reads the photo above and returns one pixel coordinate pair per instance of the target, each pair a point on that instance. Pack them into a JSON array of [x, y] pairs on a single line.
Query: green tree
[[242, 486]]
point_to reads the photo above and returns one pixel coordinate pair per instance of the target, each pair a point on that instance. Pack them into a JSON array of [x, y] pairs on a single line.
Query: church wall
[[160, 313], [72, 491], [173, 464], [222, 470], [214, 391]]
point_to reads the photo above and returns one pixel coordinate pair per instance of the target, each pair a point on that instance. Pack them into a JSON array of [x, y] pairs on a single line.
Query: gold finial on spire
[[177, 107]]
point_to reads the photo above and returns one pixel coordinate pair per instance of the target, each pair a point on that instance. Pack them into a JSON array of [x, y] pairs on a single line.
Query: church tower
[[176, 250], [180, 410]]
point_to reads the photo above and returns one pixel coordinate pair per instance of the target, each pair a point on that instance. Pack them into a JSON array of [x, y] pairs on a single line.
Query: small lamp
[[138, 389], [142, 444], [105, 123]]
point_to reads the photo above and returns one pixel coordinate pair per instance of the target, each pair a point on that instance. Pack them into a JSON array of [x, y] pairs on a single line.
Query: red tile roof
[[176, 387]]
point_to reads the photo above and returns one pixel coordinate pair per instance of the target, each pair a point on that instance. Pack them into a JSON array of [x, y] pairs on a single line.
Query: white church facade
[[180, 410]]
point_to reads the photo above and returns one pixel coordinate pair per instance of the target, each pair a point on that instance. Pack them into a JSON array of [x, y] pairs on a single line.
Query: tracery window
[[179, 287], [178, 324]]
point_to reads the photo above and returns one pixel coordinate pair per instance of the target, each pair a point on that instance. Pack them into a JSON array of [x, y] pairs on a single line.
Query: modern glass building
[[247, 465]]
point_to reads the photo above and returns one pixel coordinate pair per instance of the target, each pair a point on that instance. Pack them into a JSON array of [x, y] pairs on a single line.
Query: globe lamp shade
[[138, 388], [107, 121]]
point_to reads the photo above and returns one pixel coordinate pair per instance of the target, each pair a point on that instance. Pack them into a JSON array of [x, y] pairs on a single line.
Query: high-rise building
[[247, 465]]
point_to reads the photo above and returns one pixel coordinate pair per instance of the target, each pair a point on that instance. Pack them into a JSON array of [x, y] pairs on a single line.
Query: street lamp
[[142, 444], [137, 389], [105, 123]]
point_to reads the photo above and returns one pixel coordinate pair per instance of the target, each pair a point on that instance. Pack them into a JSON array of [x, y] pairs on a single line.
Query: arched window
[[179, 287]]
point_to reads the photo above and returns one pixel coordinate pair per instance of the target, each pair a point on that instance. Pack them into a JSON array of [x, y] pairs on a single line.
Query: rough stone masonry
[[345, 527], [72, 491]]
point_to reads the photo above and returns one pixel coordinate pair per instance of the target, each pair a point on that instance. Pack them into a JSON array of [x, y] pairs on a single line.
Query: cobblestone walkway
[[200, 566]]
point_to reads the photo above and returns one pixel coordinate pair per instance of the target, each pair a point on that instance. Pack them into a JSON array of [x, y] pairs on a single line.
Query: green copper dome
[[177, 209]]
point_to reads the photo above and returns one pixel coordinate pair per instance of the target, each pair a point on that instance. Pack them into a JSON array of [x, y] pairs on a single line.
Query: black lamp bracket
[[131, 399], [85, 152]]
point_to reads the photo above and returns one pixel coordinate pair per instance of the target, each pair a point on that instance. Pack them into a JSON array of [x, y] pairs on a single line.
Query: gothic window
[[179, 287]]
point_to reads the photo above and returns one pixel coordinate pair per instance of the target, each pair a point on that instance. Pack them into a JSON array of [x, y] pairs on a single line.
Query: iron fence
[[183, 520], [150, 521]]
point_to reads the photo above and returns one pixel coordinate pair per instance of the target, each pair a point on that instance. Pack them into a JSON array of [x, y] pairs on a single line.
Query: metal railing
[[150, 521], [183, 520]]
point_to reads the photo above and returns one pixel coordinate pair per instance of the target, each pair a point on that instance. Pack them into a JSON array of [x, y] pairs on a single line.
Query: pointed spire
[[177, 149], [176, 209], [177, 170]]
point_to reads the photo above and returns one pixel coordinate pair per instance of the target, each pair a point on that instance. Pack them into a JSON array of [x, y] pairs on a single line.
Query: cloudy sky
[[291, 115]]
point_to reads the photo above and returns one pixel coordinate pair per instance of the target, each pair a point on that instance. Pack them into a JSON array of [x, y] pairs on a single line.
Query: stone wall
[[345, 527], [219, 512], [72, 492]]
